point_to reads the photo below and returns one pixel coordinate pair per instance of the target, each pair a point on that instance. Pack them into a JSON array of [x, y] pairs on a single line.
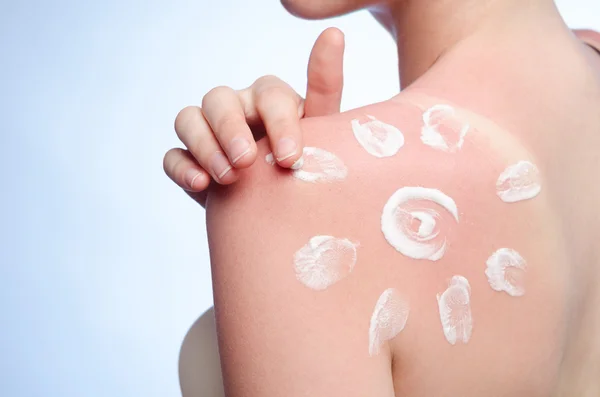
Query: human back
[[518, 345]]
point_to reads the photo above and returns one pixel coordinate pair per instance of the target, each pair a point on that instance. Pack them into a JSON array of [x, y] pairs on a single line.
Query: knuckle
[[198, 148], [280, 118], [230, 121], [215, 93], [185, 116], [202, 148], [266, 80], [281, 125], [271, 94]]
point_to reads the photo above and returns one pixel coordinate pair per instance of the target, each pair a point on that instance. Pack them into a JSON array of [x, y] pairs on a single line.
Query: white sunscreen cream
[[316, 165], [442, 130], [455, 311], [505, 271], [520, 181], [378, 138], [410, 224], [324, 261], [388, 319]]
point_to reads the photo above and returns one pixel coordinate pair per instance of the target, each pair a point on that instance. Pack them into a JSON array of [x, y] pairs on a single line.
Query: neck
[[426, 30]]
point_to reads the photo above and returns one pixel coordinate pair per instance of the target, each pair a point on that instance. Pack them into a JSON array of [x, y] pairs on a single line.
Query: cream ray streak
[[401, 211], [442, 130], [388, 319], [316, 165], [378, 138], [505, 271], [520, 181], [324, 261], [455, 311]]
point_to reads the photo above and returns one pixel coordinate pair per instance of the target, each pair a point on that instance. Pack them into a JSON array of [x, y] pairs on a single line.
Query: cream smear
[[520, 181], [455, 311], [505, 271], [442, 130], [409, 222], [316, 165], [388, 319], [378, 138], [324, 260]]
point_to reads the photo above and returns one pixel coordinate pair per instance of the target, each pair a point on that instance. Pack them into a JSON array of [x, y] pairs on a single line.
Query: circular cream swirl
[[404, 208]]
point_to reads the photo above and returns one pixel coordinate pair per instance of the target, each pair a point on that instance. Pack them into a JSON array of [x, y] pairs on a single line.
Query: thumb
[[325, 74]]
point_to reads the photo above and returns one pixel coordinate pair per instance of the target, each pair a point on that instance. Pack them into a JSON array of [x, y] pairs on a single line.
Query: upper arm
[[276, 335]]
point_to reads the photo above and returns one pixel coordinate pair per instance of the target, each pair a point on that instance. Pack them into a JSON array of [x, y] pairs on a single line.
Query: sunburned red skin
[[516, 344], [525, 99], [299, 341]]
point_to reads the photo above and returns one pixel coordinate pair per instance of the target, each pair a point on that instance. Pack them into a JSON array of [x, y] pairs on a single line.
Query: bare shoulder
[[293, 290], [416, 237]]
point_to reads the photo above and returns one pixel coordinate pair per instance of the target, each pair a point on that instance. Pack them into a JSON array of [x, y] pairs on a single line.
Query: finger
[[223, 111], [182, 168], [277, 106], [325, 74], [247, 99], [195, 133]]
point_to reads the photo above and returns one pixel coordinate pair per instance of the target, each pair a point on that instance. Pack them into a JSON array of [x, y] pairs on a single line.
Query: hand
[[218, 136]]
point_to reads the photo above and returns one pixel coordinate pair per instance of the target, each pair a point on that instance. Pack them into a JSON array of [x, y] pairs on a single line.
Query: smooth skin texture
[[198, 363], [218, 135], [277, 337]]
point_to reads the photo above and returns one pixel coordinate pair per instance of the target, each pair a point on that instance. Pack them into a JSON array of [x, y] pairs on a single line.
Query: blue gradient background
[[103, 261]]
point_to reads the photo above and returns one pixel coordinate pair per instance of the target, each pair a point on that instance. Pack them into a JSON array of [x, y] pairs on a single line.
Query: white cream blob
[[520, 181], [412, 229], [505, 271], [388, 319], [378, 138], [316, 165], [455, 311], [442, 130], [324, 260]]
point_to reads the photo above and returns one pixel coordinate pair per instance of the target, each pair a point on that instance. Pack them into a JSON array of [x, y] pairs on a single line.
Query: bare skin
[[276, 336], [220, 136]]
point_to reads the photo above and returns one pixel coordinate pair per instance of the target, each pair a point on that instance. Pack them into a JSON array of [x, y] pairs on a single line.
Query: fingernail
[[286, 148], [190, 177], [220, 165], [298, 163], [238, 148]]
